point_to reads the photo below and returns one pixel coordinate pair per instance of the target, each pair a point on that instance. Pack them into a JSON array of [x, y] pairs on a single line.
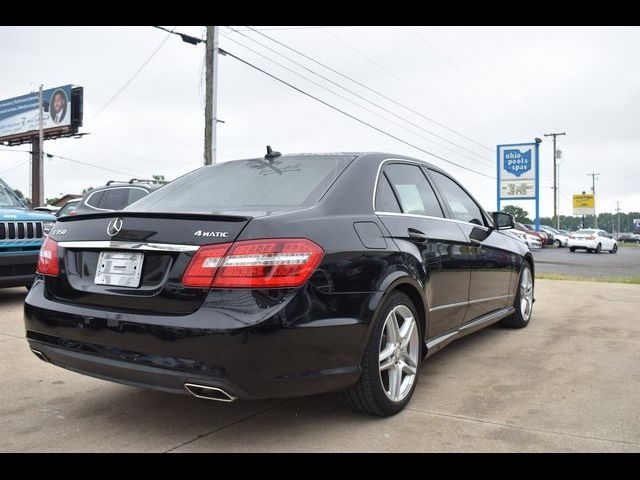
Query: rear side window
[[249, 185], [385, 198], [413, 190], [115, 199], [136, 194], [461, 204], [94, 199]]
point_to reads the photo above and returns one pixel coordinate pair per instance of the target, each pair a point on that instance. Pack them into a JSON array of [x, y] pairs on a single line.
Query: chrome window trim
[[419, 163], [118, 245], [432, 218]]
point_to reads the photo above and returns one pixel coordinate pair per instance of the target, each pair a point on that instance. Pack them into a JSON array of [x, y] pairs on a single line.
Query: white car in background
[[592, 240], [530, 240], [559, 238]]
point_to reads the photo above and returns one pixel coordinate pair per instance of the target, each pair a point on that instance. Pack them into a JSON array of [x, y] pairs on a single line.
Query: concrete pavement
[[568, 382]]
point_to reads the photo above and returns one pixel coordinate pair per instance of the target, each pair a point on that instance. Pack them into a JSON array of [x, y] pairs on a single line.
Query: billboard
[[518, 166], [584, 204], [61, 113], [636, 223]]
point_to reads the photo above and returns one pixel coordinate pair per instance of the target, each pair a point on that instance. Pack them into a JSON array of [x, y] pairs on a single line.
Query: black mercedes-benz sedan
[[280, 276]]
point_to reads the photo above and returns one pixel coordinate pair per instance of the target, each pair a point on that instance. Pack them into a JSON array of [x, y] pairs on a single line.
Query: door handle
[[417, 235]]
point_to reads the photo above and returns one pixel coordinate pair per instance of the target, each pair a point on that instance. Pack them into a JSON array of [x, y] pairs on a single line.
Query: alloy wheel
[[399, 351], [526, 294]]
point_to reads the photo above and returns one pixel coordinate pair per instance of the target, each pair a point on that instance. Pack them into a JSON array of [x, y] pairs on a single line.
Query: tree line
[[606, 221]]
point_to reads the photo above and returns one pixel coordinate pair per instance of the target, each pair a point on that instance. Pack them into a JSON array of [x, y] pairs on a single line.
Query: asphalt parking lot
[[625, 263], [568, 382]]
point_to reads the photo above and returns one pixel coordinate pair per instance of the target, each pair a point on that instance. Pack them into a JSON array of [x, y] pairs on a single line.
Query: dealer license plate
[[122, 269]]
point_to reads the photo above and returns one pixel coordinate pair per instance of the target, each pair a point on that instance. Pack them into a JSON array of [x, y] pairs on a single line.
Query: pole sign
[[584, 204], [20, 115], [636, 223], [518, 172]]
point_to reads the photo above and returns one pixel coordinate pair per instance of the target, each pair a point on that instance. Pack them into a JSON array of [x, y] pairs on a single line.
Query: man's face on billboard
[[57, 102]]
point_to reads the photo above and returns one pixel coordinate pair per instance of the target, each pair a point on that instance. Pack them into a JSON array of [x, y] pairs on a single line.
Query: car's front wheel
[[615, 248], [558, 243], [572, 249], [523, 303], [391, 362]]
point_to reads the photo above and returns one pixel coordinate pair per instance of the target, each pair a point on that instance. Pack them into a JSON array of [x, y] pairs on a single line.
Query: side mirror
[[502, 221]]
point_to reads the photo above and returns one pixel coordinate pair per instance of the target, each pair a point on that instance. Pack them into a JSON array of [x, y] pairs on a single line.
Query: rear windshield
[[248, 185], [586, 231]]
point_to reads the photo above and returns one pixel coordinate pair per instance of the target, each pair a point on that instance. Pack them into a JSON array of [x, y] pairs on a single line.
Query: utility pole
[[618, 215], [555, 183], [210, 110], [593, 189], [37, 161]]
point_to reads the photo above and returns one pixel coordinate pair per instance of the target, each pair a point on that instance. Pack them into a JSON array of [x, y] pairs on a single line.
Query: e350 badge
[[200, 233]]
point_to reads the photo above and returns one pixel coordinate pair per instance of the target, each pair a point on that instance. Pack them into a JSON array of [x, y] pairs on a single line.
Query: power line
[[13, 167], [225, 52], [501, 77], [50, 155], [131, 79], [465, 74], [297, 28], [412, 87], [357, 104], [355, 93], [487, 79]]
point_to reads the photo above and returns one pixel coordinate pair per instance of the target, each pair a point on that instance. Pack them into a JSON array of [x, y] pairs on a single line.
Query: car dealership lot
[[568, 382], [624, 263]]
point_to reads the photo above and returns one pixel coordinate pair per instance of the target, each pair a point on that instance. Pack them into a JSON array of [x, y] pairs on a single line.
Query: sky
[[454, 92]]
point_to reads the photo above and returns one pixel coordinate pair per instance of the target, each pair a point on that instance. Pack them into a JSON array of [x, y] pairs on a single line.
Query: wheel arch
[[403, 282]]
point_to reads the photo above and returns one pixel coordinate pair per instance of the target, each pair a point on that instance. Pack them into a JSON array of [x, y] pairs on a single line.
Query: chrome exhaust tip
[[209, 393], [40, 355]]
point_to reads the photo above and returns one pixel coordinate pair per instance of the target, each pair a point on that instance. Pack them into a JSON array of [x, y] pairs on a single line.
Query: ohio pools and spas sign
[[517, 171]]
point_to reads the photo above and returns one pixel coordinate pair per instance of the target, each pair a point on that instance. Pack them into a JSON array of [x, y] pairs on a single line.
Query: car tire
[[598, 248], [558, 243], [572, 249], [523, 302], [614, 249], [374, 390]]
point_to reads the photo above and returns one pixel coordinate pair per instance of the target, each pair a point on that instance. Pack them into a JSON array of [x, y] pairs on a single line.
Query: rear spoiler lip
[[167, 215]]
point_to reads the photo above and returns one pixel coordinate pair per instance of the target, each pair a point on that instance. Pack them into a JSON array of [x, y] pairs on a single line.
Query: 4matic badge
[[200, 233]]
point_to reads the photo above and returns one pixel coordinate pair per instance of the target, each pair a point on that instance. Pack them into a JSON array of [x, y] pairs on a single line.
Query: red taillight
[[204, 265], [591, 237], [281, 262], [48, 258]]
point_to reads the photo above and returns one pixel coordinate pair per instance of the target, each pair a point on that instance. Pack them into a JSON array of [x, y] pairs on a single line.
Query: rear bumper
[[17, 269], [291, 348], [586, 244]]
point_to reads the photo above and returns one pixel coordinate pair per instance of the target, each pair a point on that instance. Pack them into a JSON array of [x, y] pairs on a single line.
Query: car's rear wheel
[[598, 248], [615, 248], [523, 302], [572, 249], [391, 362]]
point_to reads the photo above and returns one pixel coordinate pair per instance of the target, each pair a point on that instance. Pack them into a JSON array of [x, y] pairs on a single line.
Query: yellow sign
[[584, 204], [584, 201]]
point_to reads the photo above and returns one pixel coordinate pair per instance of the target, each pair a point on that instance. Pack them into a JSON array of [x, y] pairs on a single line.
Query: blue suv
[[22, 232]]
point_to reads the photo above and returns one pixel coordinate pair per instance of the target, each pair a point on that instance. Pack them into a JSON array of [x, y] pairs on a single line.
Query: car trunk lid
[[133, 261]]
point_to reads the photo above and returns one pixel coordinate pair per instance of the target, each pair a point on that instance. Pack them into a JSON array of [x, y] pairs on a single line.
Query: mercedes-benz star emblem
[[114, 227]]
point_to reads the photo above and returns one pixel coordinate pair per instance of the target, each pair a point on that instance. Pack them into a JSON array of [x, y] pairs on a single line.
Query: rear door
[[407, 205], [490, 259]]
